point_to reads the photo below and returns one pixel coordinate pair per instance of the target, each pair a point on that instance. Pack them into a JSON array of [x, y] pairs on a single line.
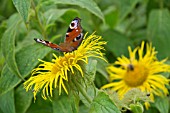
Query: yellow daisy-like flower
[[142, 70], [55, 73]]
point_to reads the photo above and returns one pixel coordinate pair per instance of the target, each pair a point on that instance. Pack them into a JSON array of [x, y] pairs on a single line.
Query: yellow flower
[[142, 70], [55, 73]]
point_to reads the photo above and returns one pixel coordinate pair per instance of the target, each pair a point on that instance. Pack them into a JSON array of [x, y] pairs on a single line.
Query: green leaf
[[22, 7], [8, 46], [40, 106], [125, 7], [83, 109], [158, 31], [117, 43], [162, 104], [70, 15], [27, 59], [52, 15], [23, 99], [91, 69], [88, 25], [28, 39], [2, 59], [111, 17], [90, 5], [136, 108], [7, 102], [103, 104], [65, 103]]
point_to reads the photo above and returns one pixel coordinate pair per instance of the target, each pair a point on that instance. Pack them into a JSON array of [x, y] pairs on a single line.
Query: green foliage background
[[121, 23]]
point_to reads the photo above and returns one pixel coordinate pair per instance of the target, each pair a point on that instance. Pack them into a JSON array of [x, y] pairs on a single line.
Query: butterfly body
[[73, 38]]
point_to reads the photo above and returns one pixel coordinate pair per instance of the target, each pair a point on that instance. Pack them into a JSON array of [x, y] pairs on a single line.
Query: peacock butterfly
[[73, 38]]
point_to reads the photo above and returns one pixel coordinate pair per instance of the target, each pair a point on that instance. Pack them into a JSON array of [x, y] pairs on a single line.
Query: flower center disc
[[136, 76]]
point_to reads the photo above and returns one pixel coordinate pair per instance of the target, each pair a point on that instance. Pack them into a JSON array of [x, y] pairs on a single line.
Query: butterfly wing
[[74, 35], [48, 44], [63, 47]]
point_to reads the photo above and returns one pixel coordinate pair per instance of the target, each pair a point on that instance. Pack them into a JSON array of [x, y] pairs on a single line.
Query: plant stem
[[39, 21], [79, 87]]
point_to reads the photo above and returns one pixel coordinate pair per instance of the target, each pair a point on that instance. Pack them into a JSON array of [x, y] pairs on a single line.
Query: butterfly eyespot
[[73, 24], [75, 39], [78, 37]]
